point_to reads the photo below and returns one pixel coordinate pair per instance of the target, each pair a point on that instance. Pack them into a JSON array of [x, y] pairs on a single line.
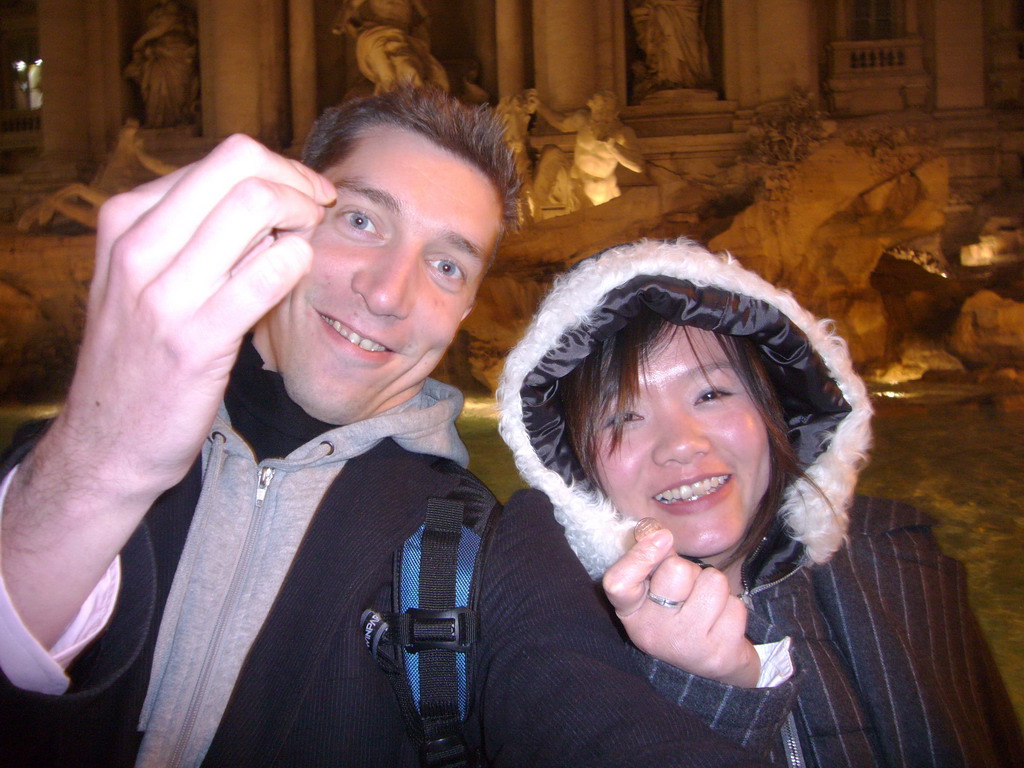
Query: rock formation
[[990, 330], [43, 285], [823, 226]]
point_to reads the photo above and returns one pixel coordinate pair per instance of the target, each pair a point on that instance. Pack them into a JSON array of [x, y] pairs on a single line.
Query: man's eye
[[448, 268], [358, 220]]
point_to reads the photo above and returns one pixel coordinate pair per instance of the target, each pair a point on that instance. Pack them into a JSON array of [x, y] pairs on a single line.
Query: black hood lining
[[811, 400]]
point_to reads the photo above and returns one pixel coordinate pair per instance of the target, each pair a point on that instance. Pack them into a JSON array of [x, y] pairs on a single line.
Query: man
[[236, 640]]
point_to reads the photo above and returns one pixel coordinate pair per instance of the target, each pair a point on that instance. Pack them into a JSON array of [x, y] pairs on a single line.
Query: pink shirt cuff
[[26, 663]]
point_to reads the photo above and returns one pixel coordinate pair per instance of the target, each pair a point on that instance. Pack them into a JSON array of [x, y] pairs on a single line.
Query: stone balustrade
[[865, 56], [20, 129], [870, 76]]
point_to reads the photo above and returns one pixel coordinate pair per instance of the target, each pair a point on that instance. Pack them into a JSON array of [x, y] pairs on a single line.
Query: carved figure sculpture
[[670, 33], [515, 114], [464, 76], [603, 143], [127, 166], [165, 66], [392, 47]]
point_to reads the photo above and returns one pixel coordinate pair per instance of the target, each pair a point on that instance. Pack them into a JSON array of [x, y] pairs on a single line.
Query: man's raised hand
[[185, 265]]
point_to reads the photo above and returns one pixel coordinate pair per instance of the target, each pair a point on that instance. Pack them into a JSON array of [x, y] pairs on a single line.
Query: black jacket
[[555, 683]]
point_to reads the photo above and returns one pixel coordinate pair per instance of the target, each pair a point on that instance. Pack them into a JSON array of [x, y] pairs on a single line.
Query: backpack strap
[[424, 643]]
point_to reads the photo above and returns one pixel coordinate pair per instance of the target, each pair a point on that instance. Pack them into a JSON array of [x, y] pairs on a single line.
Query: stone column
[[959, 55], [564, 42], [242, 66], [302, 67], [783, 66], [511, 43], [109, 90], [757, 68], [610, 48], [911, 19], [740, 71], [65, 53]]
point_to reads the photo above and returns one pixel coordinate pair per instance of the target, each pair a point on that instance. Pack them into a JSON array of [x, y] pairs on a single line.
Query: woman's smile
[[688, 492]]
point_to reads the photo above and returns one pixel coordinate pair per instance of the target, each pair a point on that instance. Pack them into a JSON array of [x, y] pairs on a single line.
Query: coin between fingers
[[645, 527]]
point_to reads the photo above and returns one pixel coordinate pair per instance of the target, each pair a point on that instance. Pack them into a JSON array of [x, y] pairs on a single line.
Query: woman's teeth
[[691, 492], [355, 338]]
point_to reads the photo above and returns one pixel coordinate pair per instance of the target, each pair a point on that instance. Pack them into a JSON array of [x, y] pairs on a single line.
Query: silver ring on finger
[[664, 602]]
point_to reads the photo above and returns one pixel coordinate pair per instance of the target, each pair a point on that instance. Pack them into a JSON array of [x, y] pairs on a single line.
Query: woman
[[661, 383]]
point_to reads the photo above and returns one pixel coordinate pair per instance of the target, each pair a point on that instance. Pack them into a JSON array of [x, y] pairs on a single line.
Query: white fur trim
[[595, 530]]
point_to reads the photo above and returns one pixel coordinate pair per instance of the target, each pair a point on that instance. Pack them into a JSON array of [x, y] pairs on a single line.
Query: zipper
[[791, 743], [743, 569], [790, 739], [748, 593], [266, 475]]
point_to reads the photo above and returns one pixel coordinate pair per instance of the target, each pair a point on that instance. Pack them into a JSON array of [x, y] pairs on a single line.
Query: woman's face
[[694, 449]]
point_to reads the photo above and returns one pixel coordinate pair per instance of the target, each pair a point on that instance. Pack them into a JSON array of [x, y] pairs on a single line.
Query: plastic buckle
[[375, 630], [447, 751], [451, 629]]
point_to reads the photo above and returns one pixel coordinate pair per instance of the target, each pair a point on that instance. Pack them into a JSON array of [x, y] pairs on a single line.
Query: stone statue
[[127, 166], [392, 47], [165, 66], [464, 77], [603, 143], [516, 114], [670, 33]]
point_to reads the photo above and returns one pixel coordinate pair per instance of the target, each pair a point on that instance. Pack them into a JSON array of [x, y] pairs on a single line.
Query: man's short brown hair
[[473, 134]]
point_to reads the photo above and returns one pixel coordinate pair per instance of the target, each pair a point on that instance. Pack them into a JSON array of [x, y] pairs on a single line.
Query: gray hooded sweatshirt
[[247, 527]]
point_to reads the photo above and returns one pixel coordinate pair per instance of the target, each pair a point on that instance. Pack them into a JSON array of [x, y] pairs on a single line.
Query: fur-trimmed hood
[[826, 404]]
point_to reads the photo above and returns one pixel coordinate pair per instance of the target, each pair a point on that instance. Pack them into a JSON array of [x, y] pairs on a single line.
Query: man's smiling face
[[396, 266]]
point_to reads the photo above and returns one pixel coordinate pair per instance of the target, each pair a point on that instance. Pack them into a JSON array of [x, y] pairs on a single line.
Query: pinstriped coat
[[891, 667]]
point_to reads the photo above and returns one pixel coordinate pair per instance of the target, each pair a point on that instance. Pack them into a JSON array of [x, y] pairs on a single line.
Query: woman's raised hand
[[678, 612]]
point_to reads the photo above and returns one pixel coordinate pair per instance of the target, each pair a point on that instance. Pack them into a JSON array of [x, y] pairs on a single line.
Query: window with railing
[[21, 83], [876, 57], [28, 83], [868, 56], [873, 20]]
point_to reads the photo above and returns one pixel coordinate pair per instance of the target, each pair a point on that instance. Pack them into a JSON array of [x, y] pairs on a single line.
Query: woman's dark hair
[[608, 381]]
